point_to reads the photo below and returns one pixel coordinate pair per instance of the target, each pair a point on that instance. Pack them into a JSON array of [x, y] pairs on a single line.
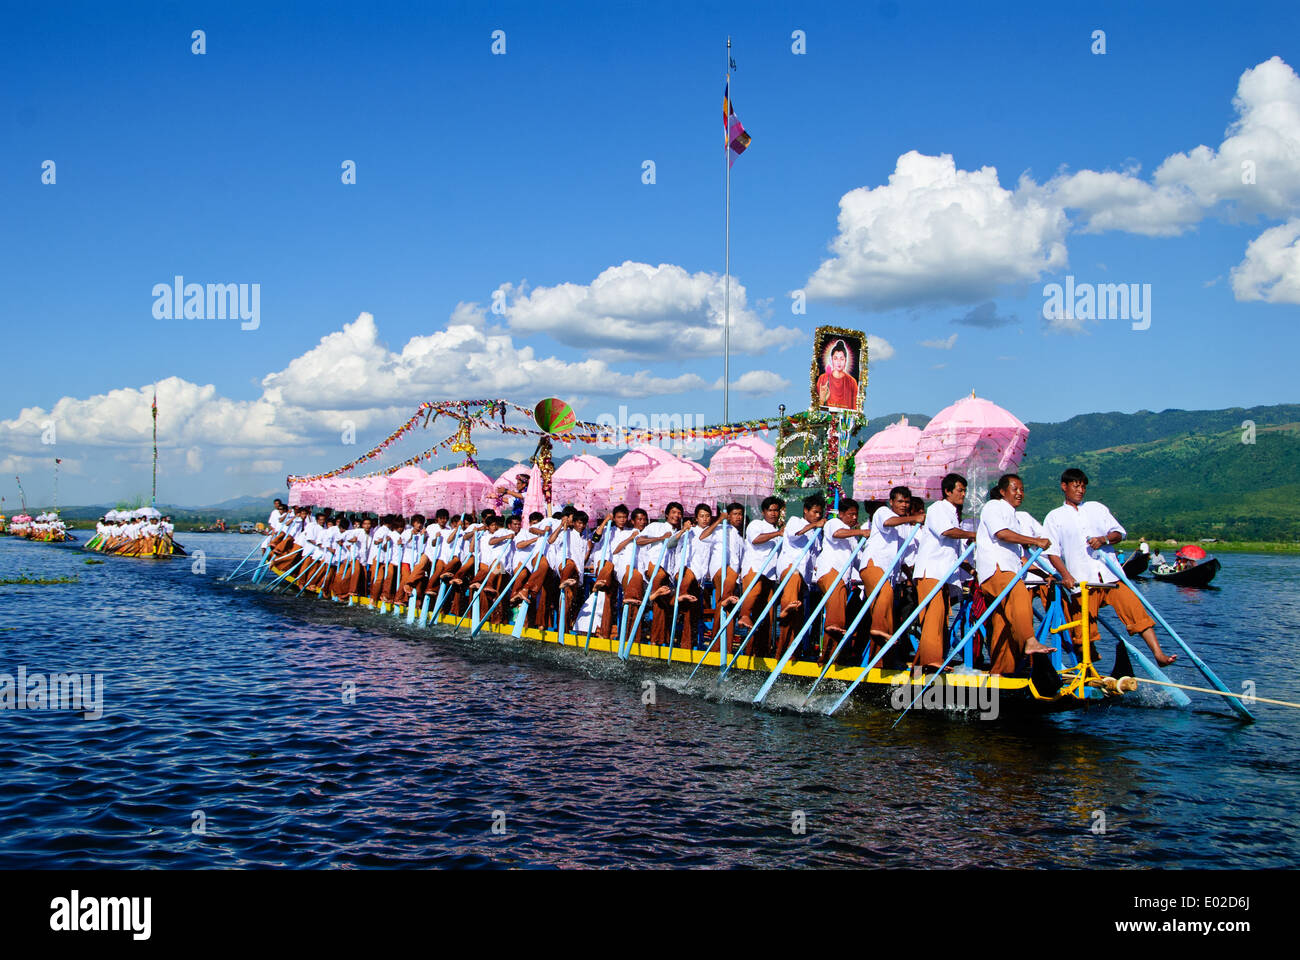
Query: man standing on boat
[[799, 532], [1083, 532], [999, 554], [758, 536], [887, 536], [939, 545], [830, 570]]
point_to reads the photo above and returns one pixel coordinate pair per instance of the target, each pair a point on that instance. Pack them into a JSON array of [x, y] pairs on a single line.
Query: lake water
[[226, 708]]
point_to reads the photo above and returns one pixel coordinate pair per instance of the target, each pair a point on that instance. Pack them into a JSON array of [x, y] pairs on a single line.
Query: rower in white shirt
[[798, 534], [939, 544], [760, 566], [831, 570], [657, 556], [1083, 532], [889, 528], [999, 554]]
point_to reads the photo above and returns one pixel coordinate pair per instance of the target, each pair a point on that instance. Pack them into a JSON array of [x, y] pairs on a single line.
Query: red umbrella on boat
[[1191, 552]]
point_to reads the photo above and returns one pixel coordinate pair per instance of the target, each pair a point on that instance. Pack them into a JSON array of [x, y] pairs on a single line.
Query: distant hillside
[[1186, 484]]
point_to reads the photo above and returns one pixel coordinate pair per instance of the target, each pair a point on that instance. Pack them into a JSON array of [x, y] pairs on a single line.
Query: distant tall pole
[[726, 283], [153, 499], [57, 461], [21, 496]]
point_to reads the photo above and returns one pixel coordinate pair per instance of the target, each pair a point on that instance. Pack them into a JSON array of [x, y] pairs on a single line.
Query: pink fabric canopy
[[372, 495], [973, 437], [595, 498], [741, 470], [535, 498], [885, 461], [398, 481], [463, 490], [631, 469], [424, 496], [571, 478], [679, 480]]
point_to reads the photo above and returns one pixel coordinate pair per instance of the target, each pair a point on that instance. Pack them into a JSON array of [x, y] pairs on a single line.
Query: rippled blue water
[[231, 703]]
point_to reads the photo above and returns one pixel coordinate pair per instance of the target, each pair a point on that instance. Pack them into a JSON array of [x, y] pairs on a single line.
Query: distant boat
[[1136, 564], [1195, 568]]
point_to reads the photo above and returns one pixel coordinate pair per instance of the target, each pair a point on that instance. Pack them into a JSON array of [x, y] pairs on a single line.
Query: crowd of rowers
[[133, 533], [701, 566], [47, 527]]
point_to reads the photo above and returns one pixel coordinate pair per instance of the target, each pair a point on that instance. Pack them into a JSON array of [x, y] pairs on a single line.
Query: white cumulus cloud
[[1271, 270], [644, 312]]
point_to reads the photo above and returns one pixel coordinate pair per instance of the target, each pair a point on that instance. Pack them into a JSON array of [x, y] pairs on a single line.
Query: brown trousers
[[882, 610], [934, 621], [720, 596], [1011, 625], [752, 606]]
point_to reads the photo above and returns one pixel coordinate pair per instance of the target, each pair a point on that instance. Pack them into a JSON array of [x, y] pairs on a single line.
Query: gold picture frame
[[826, 341]]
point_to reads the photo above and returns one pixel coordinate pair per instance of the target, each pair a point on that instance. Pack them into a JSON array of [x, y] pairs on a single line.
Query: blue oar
[[1180, 699], [505, 592], [677, 590], [521, 616], [868, 667], [293, 569], [241, 562], [866, 608], [1200, 664], [776, 595], [721, 631], [812, 617], [623, 614], [564, 597], [625, 643], [988, 612], [446, 590], [606, 553]]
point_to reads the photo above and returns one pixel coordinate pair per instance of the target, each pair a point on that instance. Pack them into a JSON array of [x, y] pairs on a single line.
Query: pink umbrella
[[296, 493], [631, 469], [741, 470], [571, 477], [885, 461], [466, 490], [595, 498], [398, 481], [535, 498], [372, 495], [973, 437], [425, 496], [679, 480]]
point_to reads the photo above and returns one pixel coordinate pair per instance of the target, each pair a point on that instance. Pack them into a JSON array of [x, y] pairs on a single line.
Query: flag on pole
[[737, 138]]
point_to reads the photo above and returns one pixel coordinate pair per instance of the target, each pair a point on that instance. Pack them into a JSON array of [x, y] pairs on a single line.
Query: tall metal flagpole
[[153, 499], [726, 288]]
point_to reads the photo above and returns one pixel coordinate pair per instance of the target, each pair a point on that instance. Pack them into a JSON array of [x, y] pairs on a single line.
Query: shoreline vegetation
[[1217, 546]]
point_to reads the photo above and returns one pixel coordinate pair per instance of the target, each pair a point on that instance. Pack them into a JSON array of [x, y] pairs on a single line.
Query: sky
[[547, 220]]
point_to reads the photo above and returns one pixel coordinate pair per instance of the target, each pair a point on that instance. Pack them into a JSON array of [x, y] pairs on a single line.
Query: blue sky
[[476, 170]]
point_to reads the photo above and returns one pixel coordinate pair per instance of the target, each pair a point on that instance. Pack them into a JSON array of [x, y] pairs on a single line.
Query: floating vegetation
[[37, 581], [90, 561]]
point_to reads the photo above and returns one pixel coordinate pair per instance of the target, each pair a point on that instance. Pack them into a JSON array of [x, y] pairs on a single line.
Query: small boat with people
[[1192, 567], [47, 527], [143, 532]]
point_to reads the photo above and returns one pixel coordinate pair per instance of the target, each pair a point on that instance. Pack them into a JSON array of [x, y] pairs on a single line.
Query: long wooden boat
[[1071, 686], [1198, 574]]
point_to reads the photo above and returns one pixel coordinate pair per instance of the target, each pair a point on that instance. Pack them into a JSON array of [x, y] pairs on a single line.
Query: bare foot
[[1163, 659], [730, 602], [661, 592], [790, 607], [685, 598], [565, 584], [745, 623], [1033, 646]]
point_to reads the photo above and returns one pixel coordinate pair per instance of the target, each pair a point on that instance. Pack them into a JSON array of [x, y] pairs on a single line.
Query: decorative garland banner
[[491, 415]]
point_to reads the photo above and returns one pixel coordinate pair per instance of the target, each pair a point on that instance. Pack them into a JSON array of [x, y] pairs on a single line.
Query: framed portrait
[[839, 369]]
